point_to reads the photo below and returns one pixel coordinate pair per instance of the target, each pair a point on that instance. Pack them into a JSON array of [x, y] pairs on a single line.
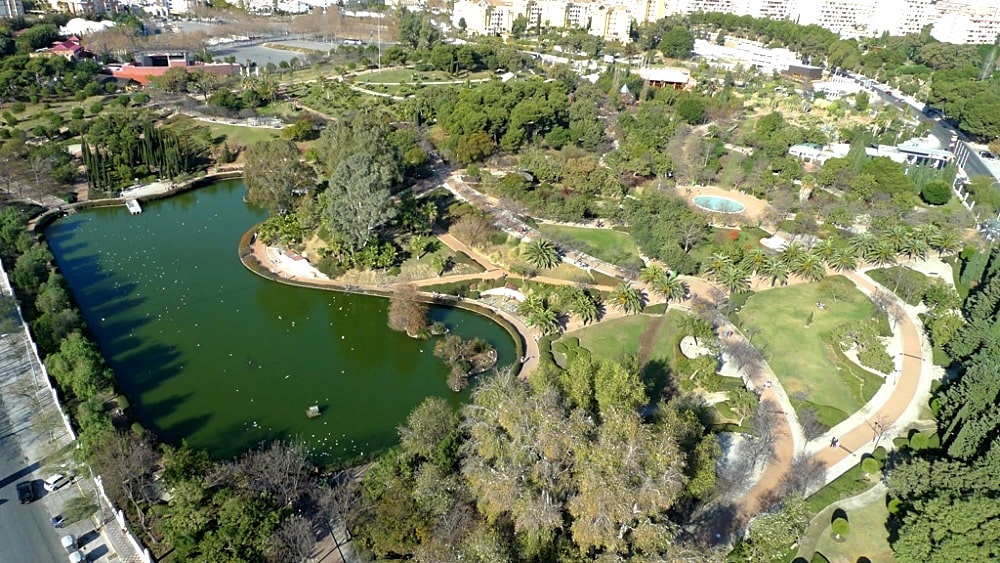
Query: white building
[[11, 9], [847, 18], [80, 7], [967, 21], [901, 17], [610, 19], [80, 26], [747, 53]]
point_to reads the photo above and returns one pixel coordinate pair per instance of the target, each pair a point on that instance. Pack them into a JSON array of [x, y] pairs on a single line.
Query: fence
[[36, 358]]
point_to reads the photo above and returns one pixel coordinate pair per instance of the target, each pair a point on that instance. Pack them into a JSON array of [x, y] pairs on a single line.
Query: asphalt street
[[26, 534], [973, 166]]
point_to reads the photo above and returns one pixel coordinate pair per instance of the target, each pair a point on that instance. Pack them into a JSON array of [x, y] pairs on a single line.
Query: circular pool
[[718, 204]]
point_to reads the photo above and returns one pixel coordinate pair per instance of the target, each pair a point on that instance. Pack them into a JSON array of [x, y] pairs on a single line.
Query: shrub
[[972, 273], [96, 108], [870, 465], [936, 193], [893, 505], [841, 527], [879, 453]]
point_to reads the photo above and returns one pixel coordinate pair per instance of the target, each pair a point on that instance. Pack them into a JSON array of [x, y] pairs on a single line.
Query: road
[[26, 534], [973, 165]]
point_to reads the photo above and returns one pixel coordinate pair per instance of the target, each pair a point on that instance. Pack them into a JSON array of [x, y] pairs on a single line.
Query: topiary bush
[[841, 527], [871, 465], [936, 193]]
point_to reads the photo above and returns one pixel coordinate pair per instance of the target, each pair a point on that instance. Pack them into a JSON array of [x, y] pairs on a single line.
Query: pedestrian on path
[[834, 442]]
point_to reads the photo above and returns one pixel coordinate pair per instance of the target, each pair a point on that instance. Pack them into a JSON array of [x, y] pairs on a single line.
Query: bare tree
[[881, 429], [126, 461], [341, 505], [280, 470], [406, 312], [887, 303], [806, 475], [293, 542], [811, 426], [473, 228], [746, 356], [763, 426]]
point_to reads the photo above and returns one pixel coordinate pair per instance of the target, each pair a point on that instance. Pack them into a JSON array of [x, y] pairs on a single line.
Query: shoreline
[[254, 256]]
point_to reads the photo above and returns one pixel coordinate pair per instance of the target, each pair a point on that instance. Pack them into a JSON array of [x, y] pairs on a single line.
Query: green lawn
[[905, 282], [612, 246], [617, 338], [867, 538], [411, 76], [237, 135], [806, 364]]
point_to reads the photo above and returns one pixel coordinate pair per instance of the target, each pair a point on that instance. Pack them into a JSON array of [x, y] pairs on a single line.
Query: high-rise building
[[11, 9], [847, 18], [967, 21]]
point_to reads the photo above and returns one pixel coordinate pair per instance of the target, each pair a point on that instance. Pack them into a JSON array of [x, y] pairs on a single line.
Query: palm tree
[[754, 259], [718, 261], [824, 249], [775, 269], [546, 321], [947, 242], [882, 255], [627, 299], [863, 243], [671, 289], [927, 232], [896, 235], [531, 305], [792, 253], [734, 278], [585, 307], [653, 275], [542, 254], [844, 259], [810, 266], [914, 248]]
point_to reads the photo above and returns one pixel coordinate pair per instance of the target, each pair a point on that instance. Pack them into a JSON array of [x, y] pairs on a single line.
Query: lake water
[[207, 351]]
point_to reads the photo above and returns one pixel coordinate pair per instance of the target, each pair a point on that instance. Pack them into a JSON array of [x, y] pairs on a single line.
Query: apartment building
[[967, 21], [610, 19], [953, 21], [11, 9]]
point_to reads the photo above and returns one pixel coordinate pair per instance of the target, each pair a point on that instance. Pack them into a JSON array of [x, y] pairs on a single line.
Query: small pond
[[718, 204]]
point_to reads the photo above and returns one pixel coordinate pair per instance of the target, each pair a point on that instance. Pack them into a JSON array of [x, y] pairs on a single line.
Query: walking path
[[896, 405]]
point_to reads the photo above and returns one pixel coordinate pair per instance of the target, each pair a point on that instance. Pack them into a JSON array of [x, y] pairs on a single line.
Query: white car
[[56, 481], [77, 557]]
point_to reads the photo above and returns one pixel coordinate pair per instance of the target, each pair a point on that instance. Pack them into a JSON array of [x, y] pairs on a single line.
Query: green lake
[[209, 352]]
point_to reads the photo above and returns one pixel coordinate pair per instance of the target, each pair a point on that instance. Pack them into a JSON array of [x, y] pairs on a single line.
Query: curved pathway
[[857, 435]]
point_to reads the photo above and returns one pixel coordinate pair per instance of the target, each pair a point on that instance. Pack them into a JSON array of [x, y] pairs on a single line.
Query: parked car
[[25, 492], [57, 481], [77, 557], [58, 521], [69, 543], [987, 154]]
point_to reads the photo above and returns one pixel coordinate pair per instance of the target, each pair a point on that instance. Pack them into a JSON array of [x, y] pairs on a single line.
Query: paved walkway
[[897, 405]]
